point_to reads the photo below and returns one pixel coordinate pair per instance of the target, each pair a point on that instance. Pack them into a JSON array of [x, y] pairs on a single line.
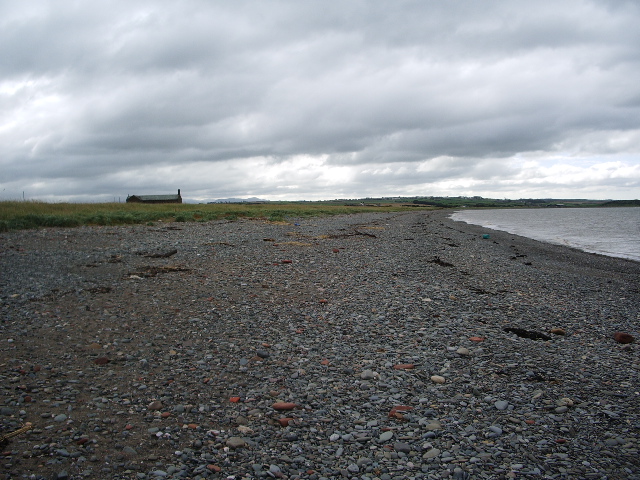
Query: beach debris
[[395, 411], [355, 233], [521, 332], [558, 331], [98, 290], [152, 271], [622, 337], [440, 262], [404, 366], [25, 428], [166, 254], [565, 402], [245, 430]]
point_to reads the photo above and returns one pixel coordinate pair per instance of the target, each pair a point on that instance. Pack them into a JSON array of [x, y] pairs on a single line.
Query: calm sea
[[608, 231]]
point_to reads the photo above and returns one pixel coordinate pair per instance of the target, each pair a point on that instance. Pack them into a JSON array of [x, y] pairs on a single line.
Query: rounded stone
[[404, 366], [367, 375], [433, 453], [402, 447], [235, 442]]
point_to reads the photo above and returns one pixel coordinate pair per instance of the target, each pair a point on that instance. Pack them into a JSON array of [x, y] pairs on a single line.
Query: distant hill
[[622, 203], [240, 200]]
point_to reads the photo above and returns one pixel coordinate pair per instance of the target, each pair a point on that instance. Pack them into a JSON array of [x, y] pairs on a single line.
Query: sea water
[[608, 231]]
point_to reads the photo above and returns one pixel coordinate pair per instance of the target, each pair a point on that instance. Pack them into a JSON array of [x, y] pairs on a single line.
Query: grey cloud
[[94, 94]]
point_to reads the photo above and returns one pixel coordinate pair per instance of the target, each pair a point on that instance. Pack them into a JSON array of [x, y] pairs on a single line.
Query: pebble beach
[[367, 346]]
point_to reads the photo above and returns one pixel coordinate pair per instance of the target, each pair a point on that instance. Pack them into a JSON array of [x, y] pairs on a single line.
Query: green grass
[[16, 215]]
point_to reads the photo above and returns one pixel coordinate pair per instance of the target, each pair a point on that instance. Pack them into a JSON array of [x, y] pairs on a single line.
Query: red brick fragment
[[394, 413], [404, 366], [285, 421], [284, 406]]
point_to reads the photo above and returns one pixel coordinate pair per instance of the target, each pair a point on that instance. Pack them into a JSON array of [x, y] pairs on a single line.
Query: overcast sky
[[288, 100]]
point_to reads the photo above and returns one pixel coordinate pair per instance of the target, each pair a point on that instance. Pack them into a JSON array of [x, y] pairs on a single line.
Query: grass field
[[20, 215]]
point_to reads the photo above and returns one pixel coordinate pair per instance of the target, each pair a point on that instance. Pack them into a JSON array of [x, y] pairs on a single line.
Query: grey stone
[[367, 375], [433, 453], [402, 447], [236, 442]]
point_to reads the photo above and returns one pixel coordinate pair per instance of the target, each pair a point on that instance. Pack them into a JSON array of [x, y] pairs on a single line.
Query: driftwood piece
[[152, 271], [442, 263], [521, 332], [355, 233], [358, 232], [25, 428], [161, 255]]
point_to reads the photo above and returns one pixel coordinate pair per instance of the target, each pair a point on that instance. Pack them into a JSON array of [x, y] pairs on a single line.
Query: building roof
[[151, 198]]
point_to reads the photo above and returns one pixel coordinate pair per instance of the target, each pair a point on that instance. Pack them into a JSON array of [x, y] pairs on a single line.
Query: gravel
[[369, 346]]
